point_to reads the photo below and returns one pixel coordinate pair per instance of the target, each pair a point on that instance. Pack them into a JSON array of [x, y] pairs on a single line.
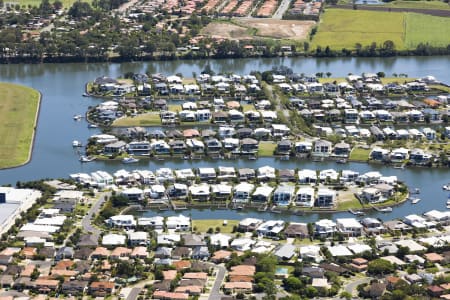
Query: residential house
[[283, 195], [297, 230], [305, 197], [325, 227], [242, 192], [262, 194], [349, 227], [101, 288], [270, 228], [325, 197], [322, 148]]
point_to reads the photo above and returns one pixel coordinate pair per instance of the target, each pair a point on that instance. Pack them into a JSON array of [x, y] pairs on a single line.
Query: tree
[[328, 74], [380, 267], [293, 284]]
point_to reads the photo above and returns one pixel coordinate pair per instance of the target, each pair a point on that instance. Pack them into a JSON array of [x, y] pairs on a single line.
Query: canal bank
[[62, 86]]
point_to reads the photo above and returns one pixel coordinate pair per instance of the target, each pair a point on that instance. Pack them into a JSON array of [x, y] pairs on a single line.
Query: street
[[86, 223], [215, 293]]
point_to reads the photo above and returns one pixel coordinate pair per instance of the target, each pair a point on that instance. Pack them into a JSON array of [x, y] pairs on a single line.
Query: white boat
[[76, 143], [446, 187], [415, 200], [92, 125], [129, 160], [85, 159], [386, 209], [77, 117]]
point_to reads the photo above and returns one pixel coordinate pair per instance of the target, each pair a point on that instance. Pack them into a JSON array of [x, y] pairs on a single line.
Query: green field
[[149, 119], [18, 108], [423, 28], [341, 28], [204, 225], [359, 154], [66, 3], [416, 4], [266, 148]]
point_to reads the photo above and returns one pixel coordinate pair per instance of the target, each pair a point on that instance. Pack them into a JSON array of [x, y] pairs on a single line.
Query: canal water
[[62, 86]]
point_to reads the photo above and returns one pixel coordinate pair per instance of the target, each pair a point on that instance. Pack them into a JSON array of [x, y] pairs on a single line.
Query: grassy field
[[266, 148], [150, 119], [359, 154], [66, 3], [423, 28], [341, 28], [18, 107], [204, 225], [418, 4], [353, 204], [344, 28]]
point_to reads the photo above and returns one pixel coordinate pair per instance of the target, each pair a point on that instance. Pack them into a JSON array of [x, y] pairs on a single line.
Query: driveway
[[351, 287]]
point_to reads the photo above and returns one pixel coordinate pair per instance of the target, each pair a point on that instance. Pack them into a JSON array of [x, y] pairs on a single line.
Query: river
[[62, 86]]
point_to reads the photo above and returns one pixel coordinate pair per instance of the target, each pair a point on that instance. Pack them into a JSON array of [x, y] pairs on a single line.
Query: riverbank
[[20, 112]]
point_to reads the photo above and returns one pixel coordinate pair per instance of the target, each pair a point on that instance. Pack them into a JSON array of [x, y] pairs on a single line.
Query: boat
[[415, 191], [446, 187], [341, 161], [77, 117], [92, 125], [415, 200], [85, 159], [252, 157], [385, 209], [129, 160], [86, 95], [399, 167], [356, 212], [76, 143]]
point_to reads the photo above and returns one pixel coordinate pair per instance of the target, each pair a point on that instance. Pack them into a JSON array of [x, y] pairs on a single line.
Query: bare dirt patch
[[226, 31], [280, 29], [249, 28]]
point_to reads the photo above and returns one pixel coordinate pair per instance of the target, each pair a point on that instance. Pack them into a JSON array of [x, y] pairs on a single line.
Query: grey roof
[[286, 251]]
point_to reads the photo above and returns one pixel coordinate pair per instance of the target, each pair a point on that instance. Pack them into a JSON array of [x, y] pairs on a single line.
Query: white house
[[270, 228], [283, 195], [113, 239], [266, 173], [127, 221], [307, 176], [179, 223], [325, 197], [305, 197], [325, 227], [349, 226], [242, 192], [262, 193]]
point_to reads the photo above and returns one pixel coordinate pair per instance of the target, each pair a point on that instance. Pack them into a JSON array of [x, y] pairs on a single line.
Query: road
[[134, 293], [284, 5], [86, 223], [215, 293], [351, 287]]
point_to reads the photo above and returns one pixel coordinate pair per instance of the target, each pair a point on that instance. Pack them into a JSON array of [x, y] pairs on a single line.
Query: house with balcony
[[283, 195], [349, 227], [325, 197], [304, 197], [262, 194], [325, 228], [242, 192]]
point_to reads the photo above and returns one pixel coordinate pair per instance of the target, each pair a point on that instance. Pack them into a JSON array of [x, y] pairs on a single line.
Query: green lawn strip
[[359, 154], [422, 28], [66, 3], [266, 148], [345, 205], [417, 4], [18, 107], [204, 225], [148, 119]]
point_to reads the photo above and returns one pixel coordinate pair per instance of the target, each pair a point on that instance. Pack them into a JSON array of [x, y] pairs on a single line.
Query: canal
[[62, 86]]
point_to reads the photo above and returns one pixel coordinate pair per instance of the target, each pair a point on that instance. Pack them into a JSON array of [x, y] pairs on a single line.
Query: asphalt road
[[215, 293], [86, 223], [134, 293], [351, 287], [284, 5]]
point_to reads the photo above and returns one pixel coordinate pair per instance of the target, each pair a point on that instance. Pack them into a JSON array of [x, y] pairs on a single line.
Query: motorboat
[[129, 160], [86, 95], [385, 209], [415, 200], [77, 117], [446, 187], [76, 143], [92, 125], [85, 159], [356, 212], [341, 161]]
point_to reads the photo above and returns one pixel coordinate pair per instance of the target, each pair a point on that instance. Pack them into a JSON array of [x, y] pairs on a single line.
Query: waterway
[[62, 86]]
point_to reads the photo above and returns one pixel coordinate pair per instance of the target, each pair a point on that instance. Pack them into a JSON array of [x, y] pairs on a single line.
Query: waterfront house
[[262, 194], [284, 147], [325, 197], [348, 176], [398, 155], [270, 228], [139, 148], [207, 174], [122, 221], [329, 175], [283, 195], [373, 226], [199, 192], [178, 191], [322, 148], [156, 222], [286, 175], [303, 147], [419, 156], [242, 192], [305, 197], [307, 176], [280, 130], [246, 174], [297, 230], [351, 116], [213, 145], [164, 175], [178, 223], [231, 144], [133, 194], [249, 145], [156, 193], [266, 173], [236, 116], [195, 145], [371, 195], [249, 224], [226, 173], [114, 148], [221, 191], [220, 117], [185, 174], [325, 227], [341, 149], [379, 154], [349, 227]]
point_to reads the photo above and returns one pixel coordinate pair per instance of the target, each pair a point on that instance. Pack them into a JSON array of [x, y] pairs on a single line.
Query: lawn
[[341, 28], [359, 154], [18, 108], [266, 148], [149, 119], [203, 225], [345, 28], [423, 28], [66, 3], [418, 4], [345, 205]]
